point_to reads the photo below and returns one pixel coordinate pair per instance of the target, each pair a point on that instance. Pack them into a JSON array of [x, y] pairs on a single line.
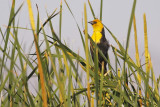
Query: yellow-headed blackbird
[[98, 37]]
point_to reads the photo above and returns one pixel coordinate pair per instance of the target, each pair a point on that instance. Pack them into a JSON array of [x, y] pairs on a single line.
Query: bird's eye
[[94, 22]]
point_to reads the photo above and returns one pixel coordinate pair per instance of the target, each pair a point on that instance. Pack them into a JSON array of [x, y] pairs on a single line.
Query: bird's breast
[[96, 37]]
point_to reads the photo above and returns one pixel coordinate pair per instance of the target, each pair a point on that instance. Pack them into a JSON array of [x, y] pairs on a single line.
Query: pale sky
[[116, 15]]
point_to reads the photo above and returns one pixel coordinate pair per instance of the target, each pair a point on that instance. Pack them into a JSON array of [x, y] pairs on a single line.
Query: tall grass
[[125, 84]]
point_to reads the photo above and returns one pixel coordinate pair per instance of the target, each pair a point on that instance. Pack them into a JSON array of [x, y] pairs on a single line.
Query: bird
[[99, 38]]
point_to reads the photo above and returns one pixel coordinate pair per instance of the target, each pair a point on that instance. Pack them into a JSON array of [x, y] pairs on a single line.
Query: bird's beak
[[91, 22]]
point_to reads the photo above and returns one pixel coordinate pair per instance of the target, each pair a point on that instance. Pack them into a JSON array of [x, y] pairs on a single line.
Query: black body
[[103, 46]]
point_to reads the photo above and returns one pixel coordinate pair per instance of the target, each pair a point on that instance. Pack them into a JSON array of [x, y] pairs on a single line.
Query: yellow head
[[97, 25]]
